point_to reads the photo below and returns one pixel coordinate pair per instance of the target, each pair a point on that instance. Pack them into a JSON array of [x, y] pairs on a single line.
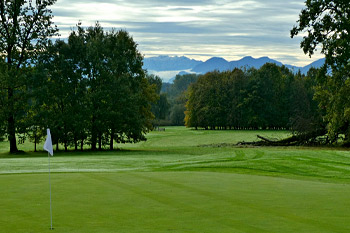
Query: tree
[[271, 97], [95, 87], [119, 95], [305, 115], [25, 27], [203, 105], [160, 109], [59, 90], [181, 84], [236, 85], [326, 23], [130, 94], [265, 100], [177, 115], [176, 94], [4, 80]]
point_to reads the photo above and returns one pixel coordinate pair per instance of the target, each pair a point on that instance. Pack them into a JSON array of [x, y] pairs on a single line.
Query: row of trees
[[316, 106], [90, 89], [269, 98]]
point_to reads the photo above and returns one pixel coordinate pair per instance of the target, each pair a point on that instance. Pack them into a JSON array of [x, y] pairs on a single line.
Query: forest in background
[[317, 106], [92, 89], [271, 97]]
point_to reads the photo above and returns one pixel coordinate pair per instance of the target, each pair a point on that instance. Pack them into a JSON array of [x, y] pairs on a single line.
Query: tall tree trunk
[[111, 146], [82, 144], [11, 128], [75, 144], [65, 140]]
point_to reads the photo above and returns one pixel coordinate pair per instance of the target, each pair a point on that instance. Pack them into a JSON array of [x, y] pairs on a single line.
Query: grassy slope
[[175, 182]]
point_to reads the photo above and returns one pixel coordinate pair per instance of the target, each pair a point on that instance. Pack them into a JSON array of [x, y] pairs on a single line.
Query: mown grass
[[180, 180]]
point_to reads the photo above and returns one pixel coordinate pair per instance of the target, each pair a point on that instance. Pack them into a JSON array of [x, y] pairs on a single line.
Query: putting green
[[172, 202]]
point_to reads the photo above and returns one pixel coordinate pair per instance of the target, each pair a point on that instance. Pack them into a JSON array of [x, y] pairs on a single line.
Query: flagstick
[[48, 148], [50, 192]]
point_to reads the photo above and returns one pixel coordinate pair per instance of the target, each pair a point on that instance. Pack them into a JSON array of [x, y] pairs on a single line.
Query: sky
[[198, 29]]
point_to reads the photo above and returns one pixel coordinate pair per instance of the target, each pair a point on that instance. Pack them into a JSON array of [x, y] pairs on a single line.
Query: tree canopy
[[95, 87], [89, 90], [326, 24], [25, 28], [269, 98]]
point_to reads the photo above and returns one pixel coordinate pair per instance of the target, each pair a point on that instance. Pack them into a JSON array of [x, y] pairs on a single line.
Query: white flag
[[48, 143]]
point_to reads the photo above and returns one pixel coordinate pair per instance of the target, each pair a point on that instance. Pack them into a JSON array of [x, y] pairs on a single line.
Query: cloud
[[181, 9], [203, 28]]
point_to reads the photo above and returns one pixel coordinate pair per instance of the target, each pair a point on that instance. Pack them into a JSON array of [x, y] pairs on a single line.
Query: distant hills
[[182, 65], [166, 63]]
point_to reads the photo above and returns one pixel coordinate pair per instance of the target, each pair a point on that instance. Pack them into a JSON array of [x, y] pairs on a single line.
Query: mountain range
[[166, 63], [170, 66]]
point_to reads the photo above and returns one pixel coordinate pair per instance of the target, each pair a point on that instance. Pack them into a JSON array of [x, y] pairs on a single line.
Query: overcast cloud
[[198, 29]]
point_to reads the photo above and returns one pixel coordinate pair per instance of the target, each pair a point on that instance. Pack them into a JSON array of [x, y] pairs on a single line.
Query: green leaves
[[327, 24], [96, 88], [269, 98], [25, 28]]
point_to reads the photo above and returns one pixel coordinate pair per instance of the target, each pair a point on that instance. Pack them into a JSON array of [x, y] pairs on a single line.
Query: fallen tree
[[316, 137]]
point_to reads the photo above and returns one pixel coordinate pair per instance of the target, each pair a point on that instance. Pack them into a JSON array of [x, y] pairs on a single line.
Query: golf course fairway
[[180, 180]]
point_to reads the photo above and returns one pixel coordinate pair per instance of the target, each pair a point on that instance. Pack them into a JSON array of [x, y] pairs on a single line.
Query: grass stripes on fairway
[[316, 164], [179, 180]]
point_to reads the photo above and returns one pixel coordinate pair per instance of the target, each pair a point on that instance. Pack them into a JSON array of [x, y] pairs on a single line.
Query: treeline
[[89, 90], [271, 97]]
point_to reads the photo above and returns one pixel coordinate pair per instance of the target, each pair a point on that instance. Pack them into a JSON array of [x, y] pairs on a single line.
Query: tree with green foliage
[[271, 97], [180, 85], [270, 93], [202, 105], [160, 109], [305, 115], [326, 24], [59, 90], [176, 94], [93, 64], [236, 91], [95, 87], [178, 107], [129, 93], [177, 115], [25, 28], [4, 79]]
